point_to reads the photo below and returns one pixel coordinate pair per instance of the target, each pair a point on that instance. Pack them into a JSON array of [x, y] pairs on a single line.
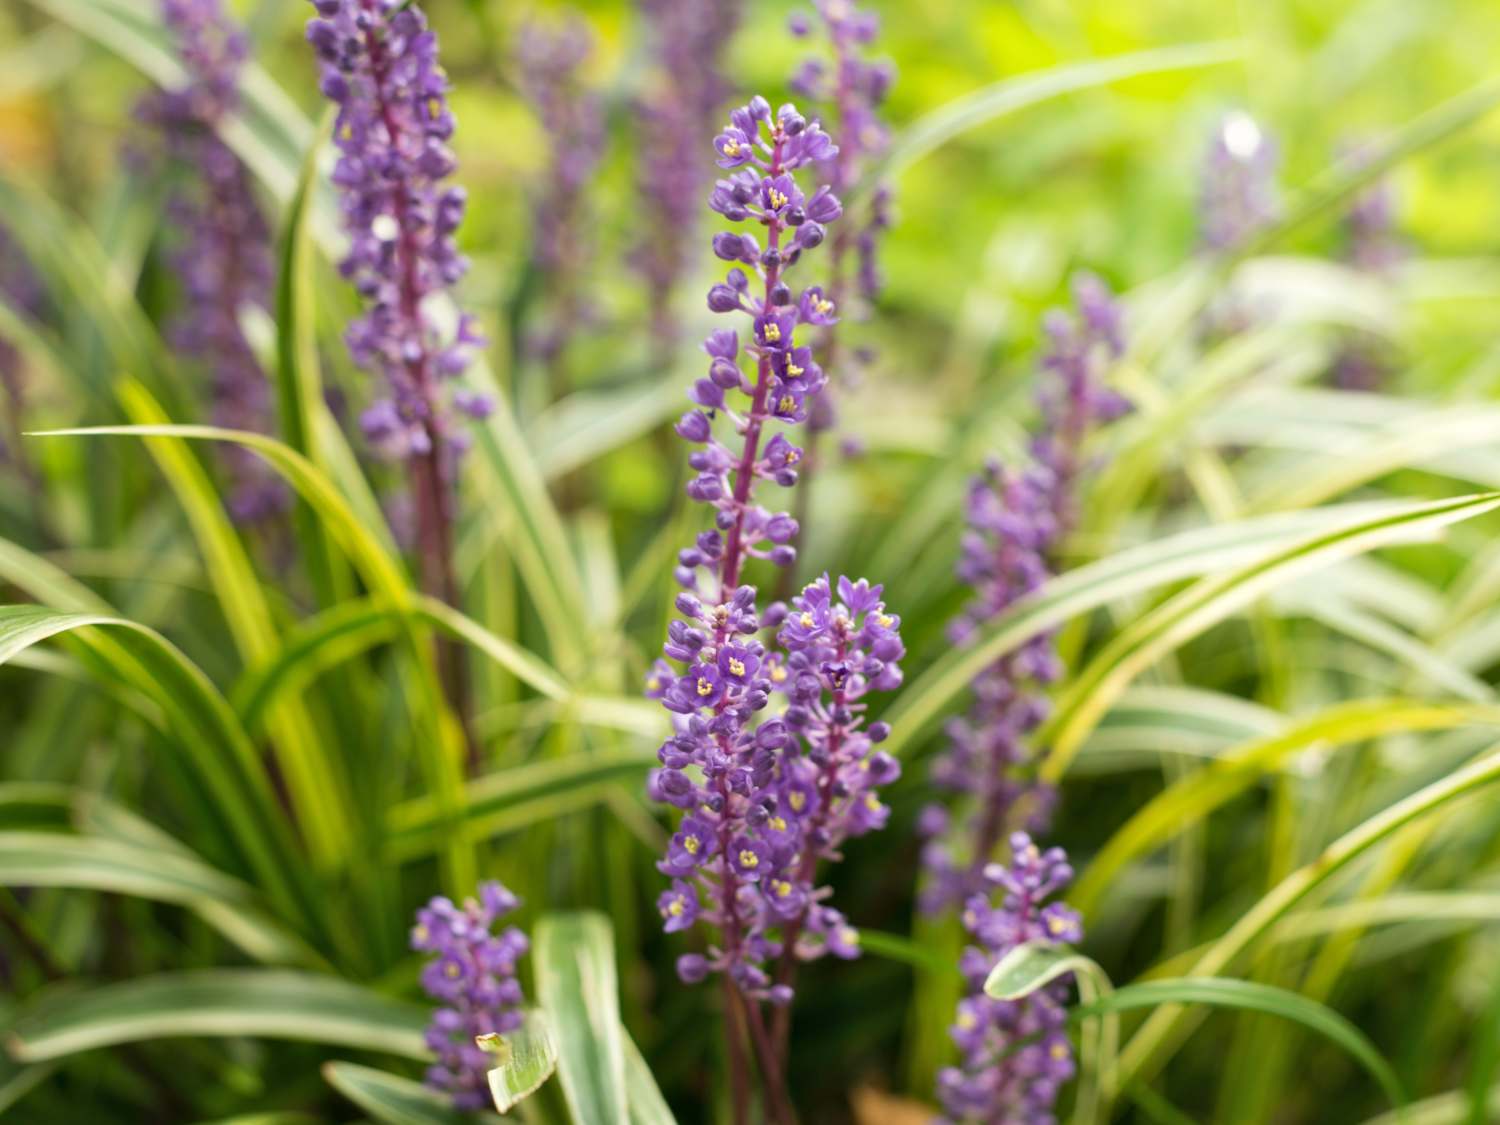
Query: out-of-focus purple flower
[[686, 93], [222, 254], [1372, 246], [472, 976], [853, 88], [23, 294], [1237, 192], [765, 797], [1015, 1055], [380, 67], [550, 57], [1016, 519]]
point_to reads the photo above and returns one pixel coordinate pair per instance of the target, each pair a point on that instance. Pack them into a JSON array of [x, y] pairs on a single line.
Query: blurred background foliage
[[989, 228]]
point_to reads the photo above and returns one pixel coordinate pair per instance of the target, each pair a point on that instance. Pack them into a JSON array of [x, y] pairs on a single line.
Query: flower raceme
[[1016, 519], [765, 797], [1014, 1054], [380, 68], [222, 250], [472, 975]]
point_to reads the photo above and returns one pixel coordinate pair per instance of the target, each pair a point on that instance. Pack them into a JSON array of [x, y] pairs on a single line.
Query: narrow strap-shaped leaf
[[576, 983], [647, 1106], [1256, 997], [393, 1100], [256, 1003], [1197, 794], [523, 1060]]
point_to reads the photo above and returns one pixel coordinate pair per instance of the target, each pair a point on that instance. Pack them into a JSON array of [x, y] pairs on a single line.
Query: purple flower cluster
[[855, 89], [687, 91], [777, 796], [473, 977], [1371, 246], [1237, 192], [765, 797], [20, 289], [573, 120], [1015, 1054], [1016, 519], [380, 68], [222, 253]]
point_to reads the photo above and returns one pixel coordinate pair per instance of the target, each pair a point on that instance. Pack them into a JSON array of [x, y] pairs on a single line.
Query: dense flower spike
[[222, 254], [1015, 1054], [1371, 246], [765, 798], [472, 976], [686, 92], [21, 291], [854, 88], [380, 68], [572, 118], [1238, 194], [1016, 519]]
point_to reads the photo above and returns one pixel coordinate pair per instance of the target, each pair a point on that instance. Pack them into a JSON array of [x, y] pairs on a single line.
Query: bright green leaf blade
[[256, 1003], [1011, 94], [647, 1106], [1215, 598], [1255, 997], [1035, 965], [393, 1100], [524, 1059], [577, 986]]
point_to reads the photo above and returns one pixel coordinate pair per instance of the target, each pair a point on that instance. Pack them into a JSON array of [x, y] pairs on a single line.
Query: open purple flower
[[472, 975], [1016, 519]]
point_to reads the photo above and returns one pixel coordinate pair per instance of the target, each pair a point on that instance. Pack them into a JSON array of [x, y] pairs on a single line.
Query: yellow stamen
[[773, 331], [807, 620], [796, 800], [885, 620], [786, 404], [736, 667], [966, 1021], [749, 858], [691, 844], [777, 824], [778, 674], [675, 907], [778, 199], [704, 687], [793, 370]]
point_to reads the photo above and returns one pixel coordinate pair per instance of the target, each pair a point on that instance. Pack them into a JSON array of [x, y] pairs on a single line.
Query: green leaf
[[56, 859], [1212, 599], [392, 1100], [1196, 795], [575, 979], [1035, 965], [214, 747], [319, 789], [1255, 997], [647, 1106], [1152, 1041], [518, 796], [524, 1059], [1012, 94], [255, 1003], [1126, 573]]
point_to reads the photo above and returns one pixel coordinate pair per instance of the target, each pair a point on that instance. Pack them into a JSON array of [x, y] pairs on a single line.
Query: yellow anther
[[773, 331], [796, 800], [872, 802], [731, 148], [1059, 1051], [778, 199], [849, 935], [691, 844], [778, 674], [782, 887], [704, 687], [807, 620], [749, 858], [823, 305], [966, 1020], [793, 370], [886, 620], [777, 824], [786, 404], [736, 667], [675, 907]]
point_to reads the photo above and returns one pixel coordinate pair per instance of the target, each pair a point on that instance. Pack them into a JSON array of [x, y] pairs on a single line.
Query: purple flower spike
[[223, 253], [472, 975], [572, 117], [766, 794], [1238, 195], [685, 93], [1016, 519], [1015, 1054], [380, 68]]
